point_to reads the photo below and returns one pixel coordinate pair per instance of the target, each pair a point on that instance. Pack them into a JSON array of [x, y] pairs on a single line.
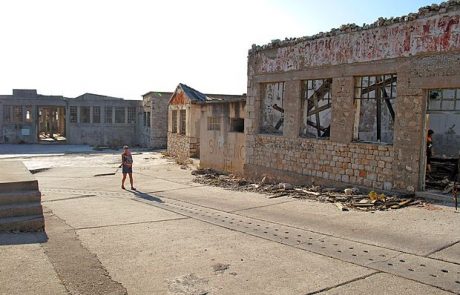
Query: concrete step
[[26, 185], [21, 209], [23, 223], [11, 198]]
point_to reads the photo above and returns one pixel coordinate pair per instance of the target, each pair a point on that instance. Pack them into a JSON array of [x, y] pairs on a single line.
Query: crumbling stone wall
[[179, 146], [423, 50]]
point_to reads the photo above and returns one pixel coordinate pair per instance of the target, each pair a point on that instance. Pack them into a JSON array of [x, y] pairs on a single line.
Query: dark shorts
[[127, 169], [429, 155]]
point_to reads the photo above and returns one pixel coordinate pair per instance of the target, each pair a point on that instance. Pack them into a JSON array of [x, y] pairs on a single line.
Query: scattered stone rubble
[[350, 198], [423, 12]]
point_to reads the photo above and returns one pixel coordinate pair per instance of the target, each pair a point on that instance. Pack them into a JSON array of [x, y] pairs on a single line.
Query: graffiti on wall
[[426, 35]]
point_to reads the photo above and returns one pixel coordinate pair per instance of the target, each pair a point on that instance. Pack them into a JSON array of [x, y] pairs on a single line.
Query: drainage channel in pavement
[[443, 275]]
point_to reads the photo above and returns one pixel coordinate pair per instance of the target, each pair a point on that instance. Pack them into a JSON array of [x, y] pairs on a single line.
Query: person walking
[[127, 167]]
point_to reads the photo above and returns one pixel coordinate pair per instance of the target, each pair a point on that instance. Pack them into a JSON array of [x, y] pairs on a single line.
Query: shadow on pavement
[[147, 196], [22, 238]]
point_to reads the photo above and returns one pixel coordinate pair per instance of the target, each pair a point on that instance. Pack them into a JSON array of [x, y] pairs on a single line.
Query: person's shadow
[[147, 196]]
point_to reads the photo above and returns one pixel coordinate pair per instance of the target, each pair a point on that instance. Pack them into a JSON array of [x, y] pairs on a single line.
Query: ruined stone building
[[28, 117], [189, 109], [353, 106], [153, 123]]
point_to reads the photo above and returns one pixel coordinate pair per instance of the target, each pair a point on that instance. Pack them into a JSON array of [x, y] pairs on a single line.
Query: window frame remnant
[[85, 114], [440, 96], [183, 122], [73, 114], [96, 114], [120, 115], [381, 89], [237, 125], [17, 114], [108, 112], [317, 102], [213, 123], [272, 109], [7, 113], [131, 115], [174, 121]]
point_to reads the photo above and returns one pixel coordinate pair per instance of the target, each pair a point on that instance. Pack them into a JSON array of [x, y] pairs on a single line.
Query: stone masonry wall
[[178, 146], [360, 164]]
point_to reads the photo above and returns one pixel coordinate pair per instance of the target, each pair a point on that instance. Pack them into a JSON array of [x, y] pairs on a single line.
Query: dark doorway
[[51, 125], [442, 140]]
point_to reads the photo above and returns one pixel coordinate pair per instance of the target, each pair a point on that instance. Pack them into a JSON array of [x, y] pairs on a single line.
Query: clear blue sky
[[127, 48]]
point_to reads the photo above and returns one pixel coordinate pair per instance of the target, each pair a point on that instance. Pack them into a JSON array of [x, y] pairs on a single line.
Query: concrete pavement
[[178, 237]]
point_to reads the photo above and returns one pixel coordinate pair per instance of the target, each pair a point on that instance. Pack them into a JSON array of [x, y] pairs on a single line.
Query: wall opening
[[120, 116], [96, 114], [316, 106], [237, 125], [375, 108], [443, 145], [174, 121], [85, 113], [51, 125], [183, 121], [214, 123], [272, 116]]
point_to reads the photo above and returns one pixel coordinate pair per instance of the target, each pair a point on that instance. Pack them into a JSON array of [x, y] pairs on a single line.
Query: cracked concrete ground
[[102, 240]]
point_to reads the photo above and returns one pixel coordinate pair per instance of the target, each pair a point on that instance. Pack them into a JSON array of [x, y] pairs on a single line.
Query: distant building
[[29, 117], [201, 122], [153, 123]]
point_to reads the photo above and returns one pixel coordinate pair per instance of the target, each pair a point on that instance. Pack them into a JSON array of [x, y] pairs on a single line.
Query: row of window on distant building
[[87, 114], [117, 115]]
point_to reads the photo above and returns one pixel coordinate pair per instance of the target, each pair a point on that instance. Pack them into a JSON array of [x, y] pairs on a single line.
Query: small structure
[[222, 140], [184, 119]]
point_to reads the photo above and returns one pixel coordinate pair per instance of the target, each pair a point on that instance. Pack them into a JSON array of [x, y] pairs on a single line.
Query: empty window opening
[[237, 125], [272, 119], [375, 108], [17, 114], [442, 139], [174, 121], [214, 123], [7, 114], [108, 115], [96, 115], [84, 114], [183, 121], [51, 124], [120, 115], [316, 106], [73, 114], [132, 115], [29, 114]]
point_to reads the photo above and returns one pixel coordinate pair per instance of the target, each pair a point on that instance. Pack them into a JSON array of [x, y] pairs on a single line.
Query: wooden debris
[[357, 200], [341, 207]]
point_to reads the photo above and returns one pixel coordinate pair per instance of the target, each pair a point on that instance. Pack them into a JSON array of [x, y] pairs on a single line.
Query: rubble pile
[[350, 198], [443, 174]]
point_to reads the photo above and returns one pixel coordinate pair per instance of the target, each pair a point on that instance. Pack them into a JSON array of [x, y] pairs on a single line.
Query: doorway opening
[[51, 125], [442, 133]]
